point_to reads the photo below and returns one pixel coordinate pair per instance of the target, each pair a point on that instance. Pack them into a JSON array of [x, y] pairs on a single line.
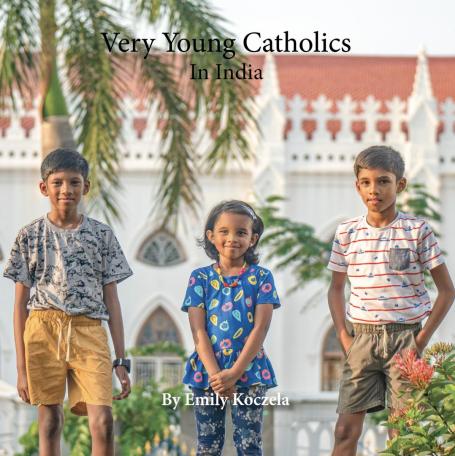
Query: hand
[[22, 387], [346, 341], [230, 393], [122, 375], [223, 381], [421, 341]]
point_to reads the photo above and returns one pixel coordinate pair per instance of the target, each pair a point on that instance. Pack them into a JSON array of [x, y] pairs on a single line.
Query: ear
[[86, 187], [43, 188], [357, 185], [210, 235], [401, 184], [254, 239]]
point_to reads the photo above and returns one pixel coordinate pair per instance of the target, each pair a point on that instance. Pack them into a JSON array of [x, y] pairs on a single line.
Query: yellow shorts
[[59, 347]]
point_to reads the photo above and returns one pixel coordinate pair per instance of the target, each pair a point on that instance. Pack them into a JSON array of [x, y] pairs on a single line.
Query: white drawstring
[[68, 338], [60, 329], [385, 340]]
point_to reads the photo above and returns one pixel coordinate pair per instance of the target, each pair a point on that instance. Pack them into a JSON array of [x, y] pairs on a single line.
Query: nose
[[231, 237], [373, 189], [66, 188]]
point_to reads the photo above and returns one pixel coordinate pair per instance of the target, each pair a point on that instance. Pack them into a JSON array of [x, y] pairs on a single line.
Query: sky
[[400, 27], [385, 27]]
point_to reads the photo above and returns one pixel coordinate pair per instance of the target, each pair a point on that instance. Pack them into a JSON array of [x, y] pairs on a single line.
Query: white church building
[[316, 113]]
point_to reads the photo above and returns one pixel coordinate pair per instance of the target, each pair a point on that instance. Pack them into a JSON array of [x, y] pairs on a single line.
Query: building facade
[[315, 113]]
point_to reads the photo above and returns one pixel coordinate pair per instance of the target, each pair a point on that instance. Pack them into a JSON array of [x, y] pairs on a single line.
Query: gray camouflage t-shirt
[[67, 267]]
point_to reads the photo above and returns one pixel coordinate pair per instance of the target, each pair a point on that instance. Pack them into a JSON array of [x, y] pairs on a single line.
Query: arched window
[[163, 368], [159, 327], [332, 361], [161, 249]]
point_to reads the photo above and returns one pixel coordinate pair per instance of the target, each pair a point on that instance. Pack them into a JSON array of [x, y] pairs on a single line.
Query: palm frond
[[293, 245], [97, 83], [18, 67], [225, 104], [178, 178]]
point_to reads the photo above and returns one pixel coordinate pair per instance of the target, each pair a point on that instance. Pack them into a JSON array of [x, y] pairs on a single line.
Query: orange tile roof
[[359, 76]]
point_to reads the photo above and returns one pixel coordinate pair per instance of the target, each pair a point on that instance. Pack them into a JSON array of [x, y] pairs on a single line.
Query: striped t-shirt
[[385, 267]]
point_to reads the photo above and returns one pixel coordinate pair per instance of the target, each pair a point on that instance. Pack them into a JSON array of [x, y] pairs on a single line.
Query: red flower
[[416, 370]]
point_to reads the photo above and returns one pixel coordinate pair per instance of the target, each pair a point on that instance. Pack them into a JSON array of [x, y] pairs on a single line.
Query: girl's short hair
[[236, 207]]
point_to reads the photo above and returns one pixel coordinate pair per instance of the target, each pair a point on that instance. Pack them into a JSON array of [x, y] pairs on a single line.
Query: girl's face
[[232, 235]]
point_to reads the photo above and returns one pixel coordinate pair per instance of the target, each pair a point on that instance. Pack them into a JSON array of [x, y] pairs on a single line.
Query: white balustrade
[[327, 149]]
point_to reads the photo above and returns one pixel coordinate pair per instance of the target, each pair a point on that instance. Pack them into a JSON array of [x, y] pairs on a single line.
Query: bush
[[426, 426]]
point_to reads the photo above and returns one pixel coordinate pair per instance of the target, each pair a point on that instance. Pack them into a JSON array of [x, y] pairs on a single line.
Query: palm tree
[[42, 39]]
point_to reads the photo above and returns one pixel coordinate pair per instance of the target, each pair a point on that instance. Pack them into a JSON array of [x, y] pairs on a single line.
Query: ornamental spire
[[270, 87]]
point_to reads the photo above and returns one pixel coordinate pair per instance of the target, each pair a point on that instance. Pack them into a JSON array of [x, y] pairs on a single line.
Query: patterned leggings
[[246, 421]]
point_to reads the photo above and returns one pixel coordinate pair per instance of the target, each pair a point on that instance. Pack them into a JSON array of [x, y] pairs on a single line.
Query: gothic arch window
[[332, 361], [165, 368], [159, 327], [161, 249]]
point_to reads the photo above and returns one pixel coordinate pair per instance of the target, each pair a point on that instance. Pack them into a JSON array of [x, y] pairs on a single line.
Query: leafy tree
[[293, 244], [417, 201], [35, 33], [29, 441]]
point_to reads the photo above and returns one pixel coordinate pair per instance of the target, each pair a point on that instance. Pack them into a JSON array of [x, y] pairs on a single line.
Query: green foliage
[[158, 348], [55, 104], [18, 24], [417, 201], [98, 81], [77, 434], [29, 441], [139, 418], [427, 425], [293, 244], [142, 415]]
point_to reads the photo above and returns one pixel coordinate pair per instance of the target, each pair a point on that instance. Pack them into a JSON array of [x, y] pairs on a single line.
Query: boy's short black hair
[[236, 207], [383, 157], [64, 160]]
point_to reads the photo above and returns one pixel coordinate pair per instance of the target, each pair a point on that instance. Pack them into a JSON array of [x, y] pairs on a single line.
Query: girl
[[230, 306]]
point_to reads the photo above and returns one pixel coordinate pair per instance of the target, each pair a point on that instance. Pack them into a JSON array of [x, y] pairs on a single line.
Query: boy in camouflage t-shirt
[[73, 263]]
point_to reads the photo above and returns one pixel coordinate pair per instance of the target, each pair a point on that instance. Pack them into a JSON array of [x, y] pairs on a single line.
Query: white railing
[[339, 129], [165, 370], [305, 427]]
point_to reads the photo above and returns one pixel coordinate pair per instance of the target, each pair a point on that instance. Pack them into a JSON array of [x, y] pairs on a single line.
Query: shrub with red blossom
[[426, 426], [416, 370]]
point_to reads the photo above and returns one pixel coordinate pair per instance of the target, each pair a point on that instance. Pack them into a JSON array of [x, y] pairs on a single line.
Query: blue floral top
[[230, 319]]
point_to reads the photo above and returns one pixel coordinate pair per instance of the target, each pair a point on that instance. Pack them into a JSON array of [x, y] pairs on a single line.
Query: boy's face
[[232, 235], [378, 189], [64, 189]]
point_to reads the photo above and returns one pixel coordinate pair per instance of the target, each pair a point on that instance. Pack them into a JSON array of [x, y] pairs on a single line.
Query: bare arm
[[112, 302], [225, 379], [442, 304], [337, 308], [22, 295], [201, 339]]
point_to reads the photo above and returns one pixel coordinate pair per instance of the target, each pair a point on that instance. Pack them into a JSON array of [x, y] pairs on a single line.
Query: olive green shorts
[[370, 379]]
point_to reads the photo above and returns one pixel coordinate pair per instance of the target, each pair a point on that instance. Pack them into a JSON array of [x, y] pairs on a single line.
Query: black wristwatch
[[126, 363]]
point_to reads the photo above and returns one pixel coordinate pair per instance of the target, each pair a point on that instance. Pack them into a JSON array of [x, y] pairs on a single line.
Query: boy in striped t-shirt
[[384, 254]]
